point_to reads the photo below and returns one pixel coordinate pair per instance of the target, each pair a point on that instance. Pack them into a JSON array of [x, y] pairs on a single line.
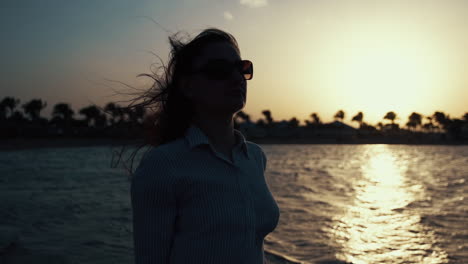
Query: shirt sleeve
[[154, 211]]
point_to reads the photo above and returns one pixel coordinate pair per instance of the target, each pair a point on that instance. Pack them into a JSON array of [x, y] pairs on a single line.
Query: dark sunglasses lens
[[222, 70], [247, 69]]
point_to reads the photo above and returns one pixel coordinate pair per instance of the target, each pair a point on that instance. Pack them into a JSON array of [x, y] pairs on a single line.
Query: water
[[354, 203], [371, 203]]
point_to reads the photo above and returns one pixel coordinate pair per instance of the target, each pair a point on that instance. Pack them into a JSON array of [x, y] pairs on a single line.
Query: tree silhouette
[[113, 110], [267, 114], [243, 116], [100, 120], [358, 118], [134, 114], [130, 114], [17, 116], [63, 111], [380, 126], [62, 115], [391, 116], [442, 119], [429, 125], [315, 119], [261, 123], [127, 117], [367, 127], [33, 108], [92, 115], [414, 120], [340, 115], [8, 104], [293, 122], [139, 112]]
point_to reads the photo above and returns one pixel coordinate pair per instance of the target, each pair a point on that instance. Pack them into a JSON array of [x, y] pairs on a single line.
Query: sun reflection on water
[[375, 227]]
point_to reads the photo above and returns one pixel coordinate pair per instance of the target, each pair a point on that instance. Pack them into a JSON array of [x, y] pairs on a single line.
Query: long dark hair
[[170, 111]]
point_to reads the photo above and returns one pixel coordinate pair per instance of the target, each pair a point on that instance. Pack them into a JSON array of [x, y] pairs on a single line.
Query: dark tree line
[[437, 122], [24, 119]]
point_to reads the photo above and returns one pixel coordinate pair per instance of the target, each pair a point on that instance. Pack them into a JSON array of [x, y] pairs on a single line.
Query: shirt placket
[[234, 152], [249, 206]]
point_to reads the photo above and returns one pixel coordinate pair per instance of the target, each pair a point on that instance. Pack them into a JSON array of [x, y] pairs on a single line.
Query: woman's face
[[226, 96]]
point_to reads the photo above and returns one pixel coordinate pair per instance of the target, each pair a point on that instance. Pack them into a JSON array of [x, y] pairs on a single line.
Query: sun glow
[[377, 221], [378, 69]]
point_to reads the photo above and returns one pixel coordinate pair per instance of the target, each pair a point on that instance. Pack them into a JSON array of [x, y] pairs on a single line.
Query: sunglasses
[[221, 69]]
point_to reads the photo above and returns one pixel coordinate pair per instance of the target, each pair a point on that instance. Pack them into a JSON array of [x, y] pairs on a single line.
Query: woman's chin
[[231, 107], [238, 105]]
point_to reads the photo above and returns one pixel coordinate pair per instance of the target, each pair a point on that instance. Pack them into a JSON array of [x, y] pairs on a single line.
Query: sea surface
[[338, 203]]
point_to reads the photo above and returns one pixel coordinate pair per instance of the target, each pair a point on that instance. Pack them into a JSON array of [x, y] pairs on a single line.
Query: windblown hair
[[174, 110], [170, 110]]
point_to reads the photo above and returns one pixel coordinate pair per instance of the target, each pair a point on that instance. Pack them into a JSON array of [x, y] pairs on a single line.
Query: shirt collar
[[195, 137]]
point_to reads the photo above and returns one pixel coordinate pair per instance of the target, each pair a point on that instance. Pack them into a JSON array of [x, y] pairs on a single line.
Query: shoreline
[[36, 143]]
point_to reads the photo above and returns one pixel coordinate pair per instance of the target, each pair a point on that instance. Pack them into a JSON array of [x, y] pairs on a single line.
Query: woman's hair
[[170, 110], [174, 111]]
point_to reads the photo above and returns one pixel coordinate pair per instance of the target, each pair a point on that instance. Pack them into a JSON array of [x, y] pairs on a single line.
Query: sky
[[309, 55]]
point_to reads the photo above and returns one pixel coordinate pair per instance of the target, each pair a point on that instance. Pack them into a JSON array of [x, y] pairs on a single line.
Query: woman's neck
[[219, 129]]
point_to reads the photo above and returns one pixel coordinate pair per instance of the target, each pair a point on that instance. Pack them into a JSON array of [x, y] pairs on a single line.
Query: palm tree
[[429, 126], [414, 120], [63, 111], [33, 108], [340, 115], [442, 119], [391, 116], [315, 119], [134, 114], [112, 109], [62, 115], [8, 103], [268, 117], [91, 114], [358, 118], [140, 112], [130, 115]]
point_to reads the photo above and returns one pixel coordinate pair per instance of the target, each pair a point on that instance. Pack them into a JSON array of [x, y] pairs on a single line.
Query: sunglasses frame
[[239, 65]]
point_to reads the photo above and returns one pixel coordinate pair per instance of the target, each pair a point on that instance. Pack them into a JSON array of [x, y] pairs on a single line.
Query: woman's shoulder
[[161, 158], [258, 153], [167, 151], [254, 148]]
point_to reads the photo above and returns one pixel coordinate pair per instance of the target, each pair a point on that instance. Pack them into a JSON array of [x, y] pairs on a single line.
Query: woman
[[199, 195]]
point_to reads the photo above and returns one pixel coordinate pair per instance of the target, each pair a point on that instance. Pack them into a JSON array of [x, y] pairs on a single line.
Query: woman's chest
[[225, 197]]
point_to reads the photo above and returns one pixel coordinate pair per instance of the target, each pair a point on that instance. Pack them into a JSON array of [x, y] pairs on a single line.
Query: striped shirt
[[191, 204]]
